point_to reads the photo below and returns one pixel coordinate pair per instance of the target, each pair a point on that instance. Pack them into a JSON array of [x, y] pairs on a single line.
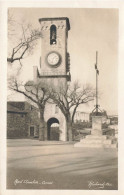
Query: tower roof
[[59, 18]]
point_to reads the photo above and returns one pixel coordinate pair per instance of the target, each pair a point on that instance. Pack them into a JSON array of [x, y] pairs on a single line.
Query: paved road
[[53, 165]]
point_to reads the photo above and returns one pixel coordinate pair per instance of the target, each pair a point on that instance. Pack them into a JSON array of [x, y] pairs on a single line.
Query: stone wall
[[19, 122], [16, 125]]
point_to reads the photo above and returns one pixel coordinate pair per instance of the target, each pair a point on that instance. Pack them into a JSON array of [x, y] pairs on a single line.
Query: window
[[56, 109], [52, 35]]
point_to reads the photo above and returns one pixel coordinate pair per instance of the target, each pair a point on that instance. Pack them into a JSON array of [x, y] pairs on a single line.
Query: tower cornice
[[53, 19]]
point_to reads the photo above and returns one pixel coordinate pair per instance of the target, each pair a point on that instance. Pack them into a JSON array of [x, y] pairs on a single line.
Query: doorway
[[32, 131], [53, 129]]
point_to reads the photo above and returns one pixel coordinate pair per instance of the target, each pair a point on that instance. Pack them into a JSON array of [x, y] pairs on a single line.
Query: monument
[[54, 68], [97, 139]]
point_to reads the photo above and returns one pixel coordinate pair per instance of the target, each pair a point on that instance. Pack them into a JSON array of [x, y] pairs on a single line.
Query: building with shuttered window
[[22, 120]]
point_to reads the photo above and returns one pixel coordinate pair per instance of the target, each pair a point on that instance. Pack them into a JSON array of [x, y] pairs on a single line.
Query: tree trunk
[[42, 125], [73, 114], [69, 131], [69, 128]]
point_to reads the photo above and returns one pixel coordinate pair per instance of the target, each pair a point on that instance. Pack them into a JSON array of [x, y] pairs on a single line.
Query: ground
[[33, 164]]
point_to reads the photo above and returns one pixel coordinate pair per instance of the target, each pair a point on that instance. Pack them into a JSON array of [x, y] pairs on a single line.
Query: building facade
[[22, 120], [54, 68], [82, 117]]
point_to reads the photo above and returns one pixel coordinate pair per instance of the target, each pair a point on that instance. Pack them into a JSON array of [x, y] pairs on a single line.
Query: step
[[95, 145], [108, 141], [96, 141], [103, 137], [86, 145], [110, 146], [107, 144]]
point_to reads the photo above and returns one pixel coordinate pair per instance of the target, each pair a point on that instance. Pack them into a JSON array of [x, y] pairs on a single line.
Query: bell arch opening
[[53, 129], [53, 34]]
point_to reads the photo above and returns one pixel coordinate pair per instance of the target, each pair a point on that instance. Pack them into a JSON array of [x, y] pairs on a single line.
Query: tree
[[68, 98], [22, 39], [37, 93]]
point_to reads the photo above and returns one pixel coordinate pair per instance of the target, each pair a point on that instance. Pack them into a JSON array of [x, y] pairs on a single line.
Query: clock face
[[53, 58]]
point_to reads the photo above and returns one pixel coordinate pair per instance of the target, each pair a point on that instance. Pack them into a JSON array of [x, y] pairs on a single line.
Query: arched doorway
[[53, 129]]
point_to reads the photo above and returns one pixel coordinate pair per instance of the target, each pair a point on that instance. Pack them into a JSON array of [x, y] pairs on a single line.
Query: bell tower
[[54, 56], [54, 67]]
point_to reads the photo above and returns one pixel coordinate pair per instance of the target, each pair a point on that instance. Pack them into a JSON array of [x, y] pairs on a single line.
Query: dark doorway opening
[[53, 130], [32, 131]]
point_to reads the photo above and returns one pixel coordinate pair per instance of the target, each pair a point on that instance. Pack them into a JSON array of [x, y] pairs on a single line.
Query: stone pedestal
[[96, 139], [96, 125]]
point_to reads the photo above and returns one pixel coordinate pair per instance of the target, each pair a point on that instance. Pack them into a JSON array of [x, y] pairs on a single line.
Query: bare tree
[[23, 39], [36, 93], [68, 98]]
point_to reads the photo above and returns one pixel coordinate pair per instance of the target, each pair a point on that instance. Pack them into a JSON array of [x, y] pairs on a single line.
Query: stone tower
[[54, 67]]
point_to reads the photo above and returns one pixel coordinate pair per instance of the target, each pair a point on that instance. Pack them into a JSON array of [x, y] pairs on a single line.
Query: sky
[[91, 30]]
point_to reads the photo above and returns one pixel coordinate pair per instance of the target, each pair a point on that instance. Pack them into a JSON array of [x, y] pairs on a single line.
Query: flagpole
[[96, 109], [96, 84]]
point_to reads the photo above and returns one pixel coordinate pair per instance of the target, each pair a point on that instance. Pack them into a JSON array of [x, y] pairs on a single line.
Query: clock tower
[[54, 66]]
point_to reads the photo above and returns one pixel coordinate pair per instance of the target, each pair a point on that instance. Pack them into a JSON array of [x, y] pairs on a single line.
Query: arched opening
[[52, 35], [53, 129]]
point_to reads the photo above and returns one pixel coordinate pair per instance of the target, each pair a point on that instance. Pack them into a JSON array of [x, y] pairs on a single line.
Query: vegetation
[[69, 98]]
